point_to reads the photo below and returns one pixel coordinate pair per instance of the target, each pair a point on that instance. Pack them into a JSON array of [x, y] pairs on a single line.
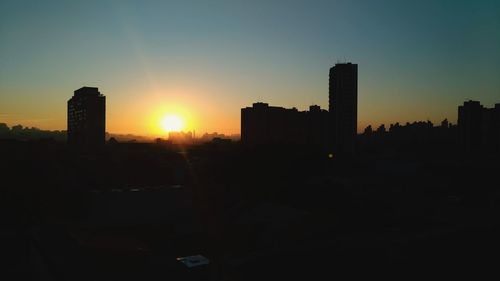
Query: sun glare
[[171, 123]]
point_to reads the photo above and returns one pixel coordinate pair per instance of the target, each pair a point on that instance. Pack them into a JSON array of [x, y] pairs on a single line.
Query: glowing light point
[[171, 123]]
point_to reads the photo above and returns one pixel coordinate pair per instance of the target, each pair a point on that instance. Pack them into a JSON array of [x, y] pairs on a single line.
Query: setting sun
[[171, 123]]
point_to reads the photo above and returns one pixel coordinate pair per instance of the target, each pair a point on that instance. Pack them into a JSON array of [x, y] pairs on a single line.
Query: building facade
[[478, 126], [262, 124], [343, 107], [87, 117], [334, 130]]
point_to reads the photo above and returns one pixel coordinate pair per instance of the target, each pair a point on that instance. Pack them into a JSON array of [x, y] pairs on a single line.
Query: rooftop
[[87, 91]]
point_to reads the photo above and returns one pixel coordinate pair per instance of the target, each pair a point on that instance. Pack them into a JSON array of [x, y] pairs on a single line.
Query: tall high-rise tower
[[87, 117], [343, 107]]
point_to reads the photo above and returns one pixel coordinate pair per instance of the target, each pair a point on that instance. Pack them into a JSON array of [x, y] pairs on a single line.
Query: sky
[[205, 60]]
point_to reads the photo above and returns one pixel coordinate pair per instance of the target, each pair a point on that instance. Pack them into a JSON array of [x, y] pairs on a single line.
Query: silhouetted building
[[469, 124], [208, 137], [491, 127], [180, 137], [317, 126], [343, 107], [87, 117], [418, 136], [336, 128], [264, 124], [478, 127], [221, 141]]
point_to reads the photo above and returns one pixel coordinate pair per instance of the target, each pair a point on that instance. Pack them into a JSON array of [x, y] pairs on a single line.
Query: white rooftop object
[[194, 261]]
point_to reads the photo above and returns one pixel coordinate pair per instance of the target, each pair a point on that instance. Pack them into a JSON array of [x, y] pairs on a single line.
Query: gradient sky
[[205, 60]]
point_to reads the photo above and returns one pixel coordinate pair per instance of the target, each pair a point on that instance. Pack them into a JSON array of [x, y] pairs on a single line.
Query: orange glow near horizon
[[168, 117]]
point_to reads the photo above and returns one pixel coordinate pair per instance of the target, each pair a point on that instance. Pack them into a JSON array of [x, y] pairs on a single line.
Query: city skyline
[[241, 140], [206, 63]]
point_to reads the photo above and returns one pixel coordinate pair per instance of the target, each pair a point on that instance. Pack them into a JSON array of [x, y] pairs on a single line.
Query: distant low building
[[208, 137], [264, 124], [180, 137], [221, 141]]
